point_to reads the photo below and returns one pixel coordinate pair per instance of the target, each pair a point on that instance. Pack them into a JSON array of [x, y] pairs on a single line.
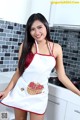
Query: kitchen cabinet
[[56, 108], [62, 104], [40, 6], [16, 11], [72, 112], [65, 15]]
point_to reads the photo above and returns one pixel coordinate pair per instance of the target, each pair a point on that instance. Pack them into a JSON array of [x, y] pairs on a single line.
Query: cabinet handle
[[54, 102], [77, 111]]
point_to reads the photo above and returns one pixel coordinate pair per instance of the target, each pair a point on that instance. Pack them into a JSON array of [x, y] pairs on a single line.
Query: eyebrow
[[37, 26]]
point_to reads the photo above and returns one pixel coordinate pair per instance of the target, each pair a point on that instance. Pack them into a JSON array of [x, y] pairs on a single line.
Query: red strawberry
[[32, 85], [39, 86]]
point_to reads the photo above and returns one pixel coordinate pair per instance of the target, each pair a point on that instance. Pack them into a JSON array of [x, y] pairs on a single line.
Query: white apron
[[31, 90]]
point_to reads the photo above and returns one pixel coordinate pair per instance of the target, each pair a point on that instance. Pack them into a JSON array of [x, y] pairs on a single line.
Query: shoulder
[[57, 49], [21, 45], [20, 50], [57, 46]]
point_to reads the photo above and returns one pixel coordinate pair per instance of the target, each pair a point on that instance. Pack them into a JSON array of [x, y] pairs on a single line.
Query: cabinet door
[[65, 14], [72, 112], [40, 6], [56, 108]]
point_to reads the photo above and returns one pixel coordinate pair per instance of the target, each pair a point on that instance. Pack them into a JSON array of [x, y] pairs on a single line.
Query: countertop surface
[[63, 93]]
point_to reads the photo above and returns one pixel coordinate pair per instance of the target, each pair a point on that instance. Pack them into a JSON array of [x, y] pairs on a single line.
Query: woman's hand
[[3, 94]]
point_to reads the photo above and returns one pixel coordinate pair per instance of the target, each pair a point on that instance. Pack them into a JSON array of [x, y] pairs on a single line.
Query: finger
[[1, 98], [1, 95]]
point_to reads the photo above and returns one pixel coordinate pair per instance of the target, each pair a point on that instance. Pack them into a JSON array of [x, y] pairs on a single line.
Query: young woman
[[38, 55]]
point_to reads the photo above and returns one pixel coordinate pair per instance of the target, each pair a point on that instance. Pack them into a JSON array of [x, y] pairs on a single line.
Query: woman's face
[[38, 31]]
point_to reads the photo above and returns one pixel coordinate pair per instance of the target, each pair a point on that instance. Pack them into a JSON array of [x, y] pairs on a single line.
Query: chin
[[40, 40]]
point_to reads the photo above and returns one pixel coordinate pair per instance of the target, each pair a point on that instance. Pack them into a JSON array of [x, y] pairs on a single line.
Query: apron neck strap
[[37, 48]]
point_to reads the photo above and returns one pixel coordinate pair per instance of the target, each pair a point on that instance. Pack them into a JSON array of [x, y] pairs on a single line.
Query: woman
[[38, 55]]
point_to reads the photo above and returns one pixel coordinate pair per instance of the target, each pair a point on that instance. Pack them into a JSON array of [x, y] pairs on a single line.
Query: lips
[[37, 37]]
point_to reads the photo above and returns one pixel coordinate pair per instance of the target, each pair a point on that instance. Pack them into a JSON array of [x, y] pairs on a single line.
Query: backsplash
[[12, 35], [69, 39]]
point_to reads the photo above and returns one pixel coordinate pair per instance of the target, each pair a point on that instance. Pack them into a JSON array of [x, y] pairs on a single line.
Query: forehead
[[37, 23]]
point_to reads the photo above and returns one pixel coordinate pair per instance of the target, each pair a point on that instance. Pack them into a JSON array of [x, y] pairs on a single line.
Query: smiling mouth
[[38, 36]]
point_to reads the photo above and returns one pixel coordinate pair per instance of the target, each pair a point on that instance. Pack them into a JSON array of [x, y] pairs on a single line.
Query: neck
[[41, 42]]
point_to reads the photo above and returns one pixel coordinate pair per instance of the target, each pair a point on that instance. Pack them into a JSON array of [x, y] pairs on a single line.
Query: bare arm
[[61, 72], [16, 74]]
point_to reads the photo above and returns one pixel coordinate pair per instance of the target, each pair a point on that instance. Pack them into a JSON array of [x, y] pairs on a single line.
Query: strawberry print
[[34, 88]]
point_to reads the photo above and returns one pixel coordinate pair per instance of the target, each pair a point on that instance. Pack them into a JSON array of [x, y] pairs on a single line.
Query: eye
[[32, 29], [39, 27]]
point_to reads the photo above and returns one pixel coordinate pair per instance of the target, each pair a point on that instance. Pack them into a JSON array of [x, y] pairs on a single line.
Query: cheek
[[32, 34], [45, 32]]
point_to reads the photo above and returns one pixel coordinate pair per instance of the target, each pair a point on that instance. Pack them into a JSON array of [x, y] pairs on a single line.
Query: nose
[[36, 31]]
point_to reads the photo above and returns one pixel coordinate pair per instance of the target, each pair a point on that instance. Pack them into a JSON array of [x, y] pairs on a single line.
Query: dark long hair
[[29, 40]]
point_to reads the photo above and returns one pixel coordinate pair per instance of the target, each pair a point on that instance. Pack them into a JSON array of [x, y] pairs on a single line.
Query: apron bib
[[31, 90]]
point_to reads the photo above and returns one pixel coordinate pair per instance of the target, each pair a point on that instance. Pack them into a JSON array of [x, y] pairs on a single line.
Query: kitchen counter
[[64, 94]]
